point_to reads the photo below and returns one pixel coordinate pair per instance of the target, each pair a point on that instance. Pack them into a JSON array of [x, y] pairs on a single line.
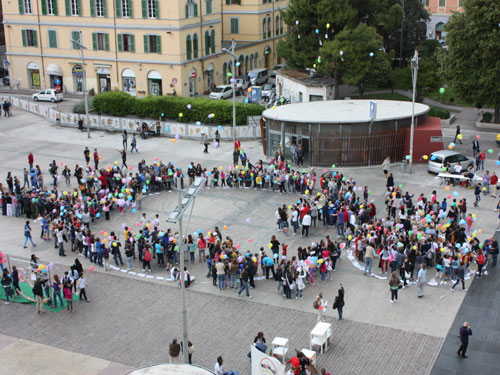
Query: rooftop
[[305, 78], [344, 111]]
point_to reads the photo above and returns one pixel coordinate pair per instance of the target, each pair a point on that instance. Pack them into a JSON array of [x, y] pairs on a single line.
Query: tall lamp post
[[186, 198], [84, 82], [230, 51], [414, 74]]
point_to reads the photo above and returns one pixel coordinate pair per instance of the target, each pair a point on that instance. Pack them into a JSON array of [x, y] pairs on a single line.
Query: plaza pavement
[[131, 319]]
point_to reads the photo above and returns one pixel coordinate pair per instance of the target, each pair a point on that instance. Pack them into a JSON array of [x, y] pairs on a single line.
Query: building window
[[212, 41], [30, 38], [233, 2], [125, 8], [49, 7], [97, 8], [27, 7], [195, 46], [281, 25], [75, 35], [52, 39], [208, 6], [264, 28], [191, 9], [268, 27], [100, 41], [74, 7], [277, 25], [188, 47], [207, 43], [442, 3], [152, 44], [126, 42], [255, 58], [235, 25], [152, 8], [460, 3]]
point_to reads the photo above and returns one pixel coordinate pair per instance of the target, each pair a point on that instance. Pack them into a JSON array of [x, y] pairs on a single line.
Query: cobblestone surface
[[132, 322]]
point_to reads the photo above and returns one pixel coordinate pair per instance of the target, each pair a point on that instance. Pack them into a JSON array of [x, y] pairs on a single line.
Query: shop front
[[129, 82], [155, 83], [103, 78], [54, 72], [77, 72], [34, 75]]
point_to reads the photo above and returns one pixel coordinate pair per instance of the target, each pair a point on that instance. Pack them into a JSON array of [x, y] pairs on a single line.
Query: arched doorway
[[210, 76], [192, 82], [54, 72], [129, 82], [155, 83], [267, 57], [439, 30]]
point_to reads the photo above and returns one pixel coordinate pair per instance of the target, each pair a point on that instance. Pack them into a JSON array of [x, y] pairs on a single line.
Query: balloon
[[490, 151], [460, 136], [173, 140], [425, 157], [269, 245], [333, 166], [166, 129], [341, 53], [447, 188], [219, 127], [297, 22], [371, 54], [248, 220], [441, 90], [250, 240], [91, 268], [198, 123], [316, 31], [478, 136], [189, 106], [181, 114], [349, 237]]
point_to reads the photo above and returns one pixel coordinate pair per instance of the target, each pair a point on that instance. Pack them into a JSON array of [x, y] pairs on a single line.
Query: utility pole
[[230, 51], [84, 82], [414, 74]]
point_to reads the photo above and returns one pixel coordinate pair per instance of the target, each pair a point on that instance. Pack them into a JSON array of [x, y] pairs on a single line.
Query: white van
[[258, 76]]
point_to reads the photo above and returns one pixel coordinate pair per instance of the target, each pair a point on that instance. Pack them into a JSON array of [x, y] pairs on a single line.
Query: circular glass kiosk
[[342, 132]]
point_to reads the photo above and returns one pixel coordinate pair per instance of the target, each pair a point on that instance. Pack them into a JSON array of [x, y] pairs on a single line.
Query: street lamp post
[[185, 199], [84, 82], [414, 74], [401, 37], [230, 52]]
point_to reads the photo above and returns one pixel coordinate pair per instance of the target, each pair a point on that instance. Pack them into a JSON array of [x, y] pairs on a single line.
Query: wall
[[118, 124], [291, 88], [422, 144]]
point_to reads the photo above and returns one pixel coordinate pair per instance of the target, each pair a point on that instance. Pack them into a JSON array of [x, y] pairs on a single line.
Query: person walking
[[475, 147], [218, 367], [133, 144], [173, 350], [386, 166], [38, 293], [421, 280], [339, 302], [477, 194], [306, 224], [394, 282], [7, 286], [27, 235], [460, 277], [82, 284], [68, 296], [244, 282], [319, 304], [465, 332], [124, 139], [370, 254], [457, 134], [86, 155]]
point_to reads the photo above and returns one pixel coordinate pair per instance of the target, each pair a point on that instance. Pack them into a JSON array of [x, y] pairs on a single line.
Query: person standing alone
[[174, 349], [465, 332]]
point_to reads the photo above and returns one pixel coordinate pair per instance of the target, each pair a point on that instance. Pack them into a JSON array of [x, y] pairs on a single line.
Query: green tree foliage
[[472, 63], [350, 54]]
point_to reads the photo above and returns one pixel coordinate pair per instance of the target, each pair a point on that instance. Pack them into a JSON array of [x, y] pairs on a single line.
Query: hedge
[[442, 113], [117, 103], [487, 117]]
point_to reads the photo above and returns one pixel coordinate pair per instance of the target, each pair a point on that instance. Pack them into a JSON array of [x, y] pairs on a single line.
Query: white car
[[242, 84], [221, 92], [268, 90], [49, 95]]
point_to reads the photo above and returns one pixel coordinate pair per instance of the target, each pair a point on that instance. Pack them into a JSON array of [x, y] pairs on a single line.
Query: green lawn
[[448, 97]]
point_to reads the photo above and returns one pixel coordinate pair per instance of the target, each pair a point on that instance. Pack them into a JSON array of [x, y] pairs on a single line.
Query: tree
[[471, 64], [357, 54]]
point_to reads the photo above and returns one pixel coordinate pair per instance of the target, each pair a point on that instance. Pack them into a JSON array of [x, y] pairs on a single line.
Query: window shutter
[[75, 35], [24, 38], [106, 42], [80, 8], [239, 2], [44, 7], [195, 10], [158, 44], [119, 38], [118, 8], [105, 7], [35, 39], [195, 46], [132, 42], [187, 11], [55, 7], [94, 41], [188, 47], [146, 43], [207, 43], [21, 6], [212, 41], [130, 9], [92, 8], [52, 39], [157, 8], [228, 2], [144, 9], [68, 8]]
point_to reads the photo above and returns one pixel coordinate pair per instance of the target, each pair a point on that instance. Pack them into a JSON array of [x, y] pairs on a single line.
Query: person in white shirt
[[218, 366], [82, 284], [457, 168], [144, 220], [306, 223]]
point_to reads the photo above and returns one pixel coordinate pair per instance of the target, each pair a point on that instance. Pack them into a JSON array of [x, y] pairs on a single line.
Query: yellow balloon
[[307, 192], [349, 237], [181, 114], [116, 163], [460, 136], [425, 157], [269, 245]]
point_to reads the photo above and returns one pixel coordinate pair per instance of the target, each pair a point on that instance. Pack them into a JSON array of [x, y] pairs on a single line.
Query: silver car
[[438, 159]]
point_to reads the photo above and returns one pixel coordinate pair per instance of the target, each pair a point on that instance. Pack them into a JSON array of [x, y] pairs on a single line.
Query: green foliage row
[[117, 103], [487, 117], [442, 113]]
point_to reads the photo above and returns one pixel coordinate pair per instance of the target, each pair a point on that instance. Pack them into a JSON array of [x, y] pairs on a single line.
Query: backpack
[[147, 255], [316, 304]]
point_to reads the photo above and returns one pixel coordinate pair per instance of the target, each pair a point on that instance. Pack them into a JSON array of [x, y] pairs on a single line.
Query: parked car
[[438, 159], [221, 92], [50, 95], [258, 76], [242, 84], [272, 73], [268, 90]]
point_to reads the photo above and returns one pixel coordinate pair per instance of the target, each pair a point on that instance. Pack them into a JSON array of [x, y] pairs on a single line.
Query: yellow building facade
[[141, 47]]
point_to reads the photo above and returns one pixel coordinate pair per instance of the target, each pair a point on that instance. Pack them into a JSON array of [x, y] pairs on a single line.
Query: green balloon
[[441, 90]]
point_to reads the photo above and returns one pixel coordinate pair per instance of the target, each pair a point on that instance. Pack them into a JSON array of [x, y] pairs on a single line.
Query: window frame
[[151, 10], [237, 19], [51, 5], [443, 2], [264, 21], [28, 4], [52, 32], [99, 7], [189, 47], [195, 45], [125, 9], [269, 32]]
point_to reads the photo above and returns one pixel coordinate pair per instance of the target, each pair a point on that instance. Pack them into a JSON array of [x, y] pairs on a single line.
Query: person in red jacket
[[493, 184], [96, 159], [31, 160], [480, 262]]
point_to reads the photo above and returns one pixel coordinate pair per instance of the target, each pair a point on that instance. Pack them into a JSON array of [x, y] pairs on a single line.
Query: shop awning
[[54, 70], [33, 66], [440, 26], [128, 73], [154, 75]]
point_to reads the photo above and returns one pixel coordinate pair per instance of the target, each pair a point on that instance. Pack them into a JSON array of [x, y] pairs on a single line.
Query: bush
[[487, 117], [117, 103], [442, 113], [79, 107]]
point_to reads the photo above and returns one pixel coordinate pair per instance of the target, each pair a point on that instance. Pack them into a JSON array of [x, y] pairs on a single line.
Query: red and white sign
[[193, 75]]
